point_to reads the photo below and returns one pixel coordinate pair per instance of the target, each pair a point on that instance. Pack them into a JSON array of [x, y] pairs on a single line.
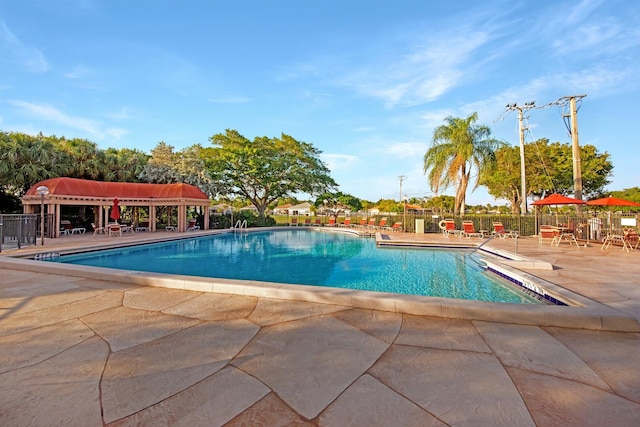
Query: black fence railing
[[585, 226], [18, 230]]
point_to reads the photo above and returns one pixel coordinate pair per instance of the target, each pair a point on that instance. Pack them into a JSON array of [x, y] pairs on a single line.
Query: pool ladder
[[240, 225], [490, 239]]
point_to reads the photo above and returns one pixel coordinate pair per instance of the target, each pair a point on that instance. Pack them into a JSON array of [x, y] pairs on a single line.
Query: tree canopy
[[338, 203], [26, 159], [188, 166], [266, 169], [459, 146], [549, 169]]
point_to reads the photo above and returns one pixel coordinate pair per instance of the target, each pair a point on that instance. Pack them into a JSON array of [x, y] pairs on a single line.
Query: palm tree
[[458, 147]]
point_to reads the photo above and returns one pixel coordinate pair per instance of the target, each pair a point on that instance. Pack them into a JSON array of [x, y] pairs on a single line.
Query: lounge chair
[[362, 223], [318, 222], [143, 226], [293, 222], [395, 227], [382, 224], [346, 223], [332, 222], [468, 230], [371, 223], [498, 229], [192, 225], [307, 222], [449, 227]]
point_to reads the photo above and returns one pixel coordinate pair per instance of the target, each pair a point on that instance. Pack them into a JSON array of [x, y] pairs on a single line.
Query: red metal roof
[[123, 190]]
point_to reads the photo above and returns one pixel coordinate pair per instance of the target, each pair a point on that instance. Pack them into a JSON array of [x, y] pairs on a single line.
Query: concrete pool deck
[[89, 351]]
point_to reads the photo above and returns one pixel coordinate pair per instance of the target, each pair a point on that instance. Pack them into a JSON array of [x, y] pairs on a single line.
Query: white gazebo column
[[56, 220], [206, 217], [152, 218], [182, 218]]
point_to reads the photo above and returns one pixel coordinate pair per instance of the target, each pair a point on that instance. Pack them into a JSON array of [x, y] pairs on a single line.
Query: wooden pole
[[523, 180], [577, 165]]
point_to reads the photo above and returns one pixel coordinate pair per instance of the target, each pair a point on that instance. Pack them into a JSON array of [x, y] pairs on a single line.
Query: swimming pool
[[313, 257]]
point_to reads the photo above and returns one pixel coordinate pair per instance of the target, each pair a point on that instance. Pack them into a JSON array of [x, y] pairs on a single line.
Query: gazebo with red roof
[[82, 192]]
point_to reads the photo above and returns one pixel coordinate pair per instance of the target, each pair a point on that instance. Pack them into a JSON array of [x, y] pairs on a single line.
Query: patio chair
[[498, 229], [468, 230], [632, 239], [548, 232], [115, 229], [98, 230]]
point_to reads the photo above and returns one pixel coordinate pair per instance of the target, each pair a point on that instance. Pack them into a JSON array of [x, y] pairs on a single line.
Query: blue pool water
[[311, 257]]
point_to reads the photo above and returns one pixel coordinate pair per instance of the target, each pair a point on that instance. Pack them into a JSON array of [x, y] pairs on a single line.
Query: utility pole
[[575, 146], [402, 178], [522, 128], [571, 122]]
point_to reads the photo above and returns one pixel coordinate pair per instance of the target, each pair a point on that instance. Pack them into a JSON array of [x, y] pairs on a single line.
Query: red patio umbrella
[[612, 201], [558, 199], [115, 210]]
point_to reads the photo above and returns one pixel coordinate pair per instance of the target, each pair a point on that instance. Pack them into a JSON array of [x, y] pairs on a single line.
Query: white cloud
[[14, 51], [337, 162], [406, 150], [78, 72], [48, 113], [424, 72], [116, 133], [122, 114], [53, 115]]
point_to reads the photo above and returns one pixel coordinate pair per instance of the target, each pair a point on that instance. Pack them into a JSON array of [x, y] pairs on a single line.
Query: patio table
[[615, 238]]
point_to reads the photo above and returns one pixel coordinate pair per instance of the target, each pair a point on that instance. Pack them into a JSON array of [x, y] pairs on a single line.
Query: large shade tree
[[266, 169], [27, 159], [338, 203], [459, 147], [549, 169], [167, 166]]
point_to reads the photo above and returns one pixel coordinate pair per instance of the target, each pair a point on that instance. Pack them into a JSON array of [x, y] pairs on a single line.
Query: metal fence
[[21, 230], [585, 226]]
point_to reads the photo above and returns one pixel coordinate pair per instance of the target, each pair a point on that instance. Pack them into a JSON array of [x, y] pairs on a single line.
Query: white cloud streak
[[337, 162], [15, 52], [53, 115]]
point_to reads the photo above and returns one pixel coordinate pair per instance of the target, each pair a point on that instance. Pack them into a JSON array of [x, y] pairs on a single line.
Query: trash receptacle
[[419, 226]]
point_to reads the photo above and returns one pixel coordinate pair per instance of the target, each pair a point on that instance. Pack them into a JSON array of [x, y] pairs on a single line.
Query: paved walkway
[[91, 352]]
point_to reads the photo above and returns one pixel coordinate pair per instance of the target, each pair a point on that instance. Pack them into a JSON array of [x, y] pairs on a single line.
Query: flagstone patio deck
[[87, 351]]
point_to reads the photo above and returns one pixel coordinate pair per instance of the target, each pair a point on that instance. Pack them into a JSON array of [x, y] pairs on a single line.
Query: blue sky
[[366, 82]]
